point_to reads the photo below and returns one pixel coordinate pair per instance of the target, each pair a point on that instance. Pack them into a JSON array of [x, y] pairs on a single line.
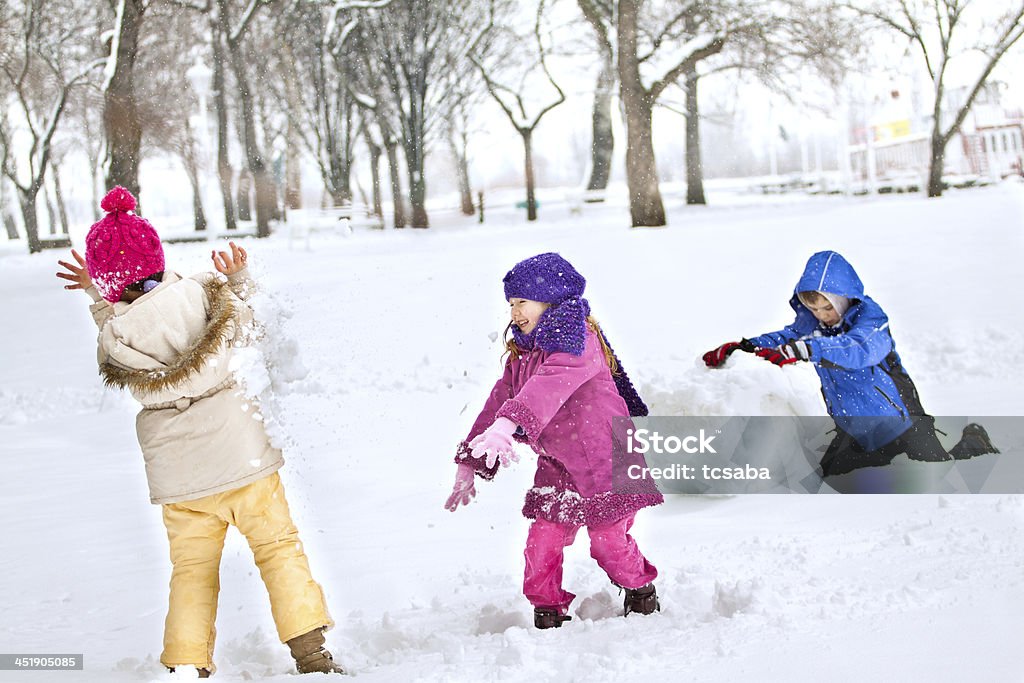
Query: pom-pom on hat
[[121, 248], [547, 278]]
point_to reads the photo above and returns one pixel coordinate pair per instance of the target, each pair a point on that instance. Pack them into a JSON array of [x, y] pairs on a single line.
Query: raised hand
[[495, 443], [78, 275], [464, 490], [717, 357], [229, 264]]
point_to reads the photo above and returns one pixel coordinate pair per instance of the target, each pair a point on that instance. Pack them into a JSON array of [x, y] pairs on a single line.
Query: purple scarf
[[562, 328]]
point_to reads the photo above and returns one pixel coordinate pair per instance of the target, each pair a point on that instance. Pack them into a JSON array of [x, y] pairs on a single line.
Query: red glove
[[775, 356], [716, 357], [797, 350]]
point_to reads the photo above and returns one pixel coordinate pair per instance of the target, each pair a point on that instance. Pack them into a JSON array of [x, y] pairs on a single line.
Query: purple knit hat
[[547, 278], [121, 248], [551, 279]]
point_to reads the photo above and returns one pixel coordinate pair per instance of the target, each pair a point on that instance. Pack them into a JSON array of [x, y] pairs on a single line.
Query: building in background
[[890, 128]]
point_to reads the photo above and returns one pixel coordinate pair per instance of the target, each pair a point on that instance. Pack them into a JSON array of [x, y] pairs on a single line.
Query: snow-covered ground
[[382, 348]]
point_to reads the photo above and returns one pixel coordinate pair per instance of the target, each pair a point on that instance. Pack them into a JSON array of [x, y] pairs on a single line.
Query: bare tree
[[940, 31], [120, 110], [318, 67], [326, 111], [374, 148], [526, 70], [415, 42], [218, 25], [44, 67], [8, 39], [165, 99], [778, 42], [599, 14], [220, 104], [638, 38], [88, 117], [465, 96], [374, 97], [233, 34]]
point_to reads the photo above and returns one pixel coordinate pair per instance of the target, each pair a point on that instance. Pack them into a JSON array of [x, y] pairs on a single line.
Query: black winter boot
[[310, 655], [643, 600], [548, 618], [975, 441]]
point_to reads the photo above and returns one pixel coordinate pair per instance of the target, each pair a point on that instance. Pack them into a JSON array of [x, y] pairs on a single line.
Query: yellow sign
[[891, 130]]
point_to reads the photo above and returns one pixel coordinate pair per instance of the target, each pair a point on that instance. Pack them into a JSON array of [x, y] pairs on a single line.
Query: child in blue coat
[[867, 391]]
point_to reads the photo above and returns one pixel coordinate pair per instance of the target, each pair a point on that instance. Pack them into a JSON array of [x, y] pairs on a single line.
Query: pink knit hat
[[121, 248]]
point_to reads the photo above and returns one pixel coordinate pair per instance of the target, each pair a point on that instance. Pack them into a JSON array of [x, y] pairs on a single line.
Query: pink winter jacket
[[564, 406]]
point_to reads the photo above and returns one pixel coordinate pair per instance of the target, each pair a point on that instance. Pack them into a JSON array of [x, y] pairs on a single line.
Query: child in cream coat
[[169, 340]]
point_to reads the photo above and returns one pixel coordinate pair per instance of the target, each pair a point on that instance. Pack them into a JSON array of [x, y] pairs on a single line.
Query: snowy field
[[382, 347]]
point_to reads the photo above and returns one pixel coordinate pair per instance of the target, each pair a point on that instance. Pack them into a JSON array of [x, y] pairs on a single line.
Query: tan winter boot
[[310, 655], [203, 673]]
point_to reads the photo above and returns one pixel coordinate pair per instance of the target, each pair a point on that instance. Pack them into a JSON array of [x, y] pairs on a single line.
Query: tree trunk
[[645, 205], [58, 194], [417, 199], [94, 177], [375, 152], [224, 171], [5, 212], [189, 158], [338, 149], [694, 165], [531, 199], [397, 197], [9, 225], [120, 111], [936, 164], [242, 195], [198, 215], [415, 154], [462, 172], [292, 170], [51, 212], [27, 199], [602, 146], [266, 197], [417, 184]]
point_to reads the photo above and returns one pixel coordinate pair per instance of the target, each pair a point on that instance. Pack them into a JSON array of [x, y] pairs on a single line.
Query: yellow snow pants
[[196, 530]]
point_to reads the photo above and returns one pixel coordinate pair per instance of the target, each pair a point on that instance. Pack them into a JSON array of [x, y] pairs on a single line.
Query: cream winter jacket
[[172, 348]]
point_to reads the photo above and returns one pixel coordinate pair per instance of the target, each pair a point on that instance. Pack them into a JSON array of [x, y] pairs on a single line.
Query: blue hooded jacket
[[867, 392]]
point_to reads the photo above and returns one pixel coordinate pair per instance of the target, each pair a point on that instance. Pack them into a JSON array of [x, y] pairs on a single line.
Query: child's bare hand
[[78, 275], [229, 264]]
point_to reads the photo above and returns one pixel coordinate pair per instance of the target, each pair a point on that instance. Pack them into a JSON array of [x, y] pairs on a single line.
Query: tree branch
[[717, 42]]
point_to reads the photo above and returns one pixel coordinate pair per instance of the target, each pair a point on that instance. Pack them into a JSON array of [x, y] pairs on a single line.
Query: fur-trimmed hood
[[173, 341]]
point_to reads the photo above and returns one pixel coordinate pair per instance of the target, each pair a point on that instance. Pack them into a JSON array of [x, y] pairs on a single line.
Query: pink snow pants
[[612, 546]]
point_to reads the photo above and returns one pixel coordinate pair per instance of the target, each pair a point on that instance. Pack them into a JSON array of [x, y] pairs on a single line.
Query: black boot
[[548, 618], [975, 441], [643, 600]]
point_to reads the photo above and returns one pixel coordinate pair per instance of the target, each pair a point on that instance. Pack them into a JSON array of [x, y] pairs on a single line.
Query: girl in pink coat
[[561, 388]]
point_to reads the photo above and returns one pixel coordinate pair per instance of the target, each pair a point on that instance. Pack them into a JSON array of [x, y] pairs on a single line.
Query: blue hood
[[828, 271]]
